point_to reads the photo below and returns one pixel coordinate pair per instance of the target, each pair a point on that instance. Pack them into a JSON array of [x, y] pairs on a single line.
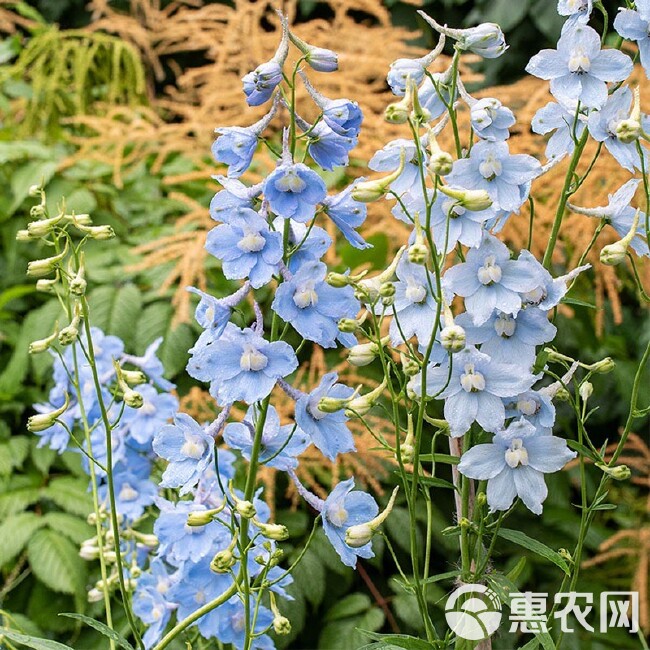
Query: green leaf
[[116, 311], [434, 481], [440, 577], [70, 494], [33, 642], [440, 458], [15, 532], [42, 457], [344, 630], [56, 563], [521, 539], [20, 494], [351, 605], [104, 629], [398, 640], [73, 527]]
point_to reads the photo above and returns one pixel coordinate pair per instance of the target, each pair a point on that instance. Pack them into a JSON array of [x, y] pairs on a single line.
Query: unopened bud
[[223, 561], [200, 517], [34, 190], [441, 164], [410, 367], [387, 290], [418, 253], [281, 625], [42, 421], [562, 394], [276, 532], [586, 390], [603, 366], [361, 534], [134, 377], [23, 236], [133, 398], [99, 233], [618, 473], [348, 325], [95, 595], [43, 227], [368, 191], [43, 344], [359, 406], [473, 200], [46, 285], [40, 268], [613, 254], [337, 280], [363, 354], [453, 338], [246, 509], [89, 550]]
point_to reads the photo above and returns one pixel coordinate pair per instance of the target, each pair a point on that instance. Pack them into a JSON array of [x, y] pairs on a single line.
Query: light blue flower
[[346, 507], [577, 10], [561, 120], [348, 215], [505, 177], [415, 306], [306, 243], [188, 449], [260, 83], [281, 445], [514, 464], [328, 431], [241, 365], [234, 195], [313, 307], [490, 280], [619, 214], [132, 494], [293, 190], [435, 93], [603, 124], [579, 69], [507, 338], [635, 26], [535, 406], [231, 626], [474, 390], [491, 119], [246, 247], [328, 148], [387, 159]]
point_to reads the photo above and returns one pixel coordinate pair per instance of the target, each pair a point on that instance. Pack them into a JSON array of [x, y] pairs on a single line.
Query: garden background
[[113, 105]]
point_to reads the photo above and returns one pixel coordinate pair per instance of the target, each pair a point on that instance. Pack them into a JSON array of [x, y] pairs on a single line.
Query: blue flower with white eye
[[400, 71], [604, 123], [231, 625], [348, 215], [388, 160], [328, 148], [507, 338], [198, 586], [235, 195], [535, 406], [246, 247], [489, 279], [346, 507], [577, 10], [281, 445], [210, 312], [132, 494], [560, 119], [306, 244], [240, 364], [635, 26], [505, 177], [579, 69], [313, 307], [188, 449], [328, 431], [491, 119], [293, 190], [474, 389], [260, 83], [619, 214], [514, 464], [435, 93], [415, 306], [144, 422], [452, 223], [180, 543]]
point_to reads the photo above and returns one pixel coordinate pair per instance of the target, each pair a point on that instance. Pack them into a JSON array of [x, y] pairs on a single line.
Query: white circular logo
[[473, 612]]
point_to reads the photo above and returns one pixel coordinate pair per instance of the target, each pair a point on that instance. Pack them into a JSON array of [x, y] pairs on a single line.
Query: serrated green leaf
[[352, 605], [103, 628], [70, 494], [73, 527], [18, 449], [15, 532], [537, 547], [33, 642], [116, 311], [42, 457], [55, 561], [18, 496]]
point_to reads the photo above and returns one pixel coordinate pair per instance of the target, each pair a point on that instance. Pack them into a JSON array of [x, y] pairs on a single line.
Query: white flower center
[[579, 62], [251, 242], [128, 493], [252, 359], [472, 381], [535, 296], [490, 168], [490, 272], [527, 406], [193, 447], [416, 292], [505, 325], [337, 514], [516, 454], [290, 182], [305, 297]]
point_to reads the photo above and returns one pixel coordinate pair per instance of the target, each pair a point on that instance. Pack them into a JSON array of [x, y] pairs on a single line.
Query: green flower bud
[[281, 625], [133, 398], [223, 561], [43, 421]]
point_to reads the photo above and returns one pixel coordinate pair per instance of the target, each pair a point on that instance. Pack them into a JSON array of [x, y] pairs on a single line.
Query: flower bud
[[43, 344], [68, 334], [245, 508], [35, 190], [334, 404], [630, 129], [387, 290], [281, 625], [148, 540], [398, 112], [318, 58], [562, 394], [564, 553], [586, 390], [37, 211], [89, 550], [134, 377], [368, 191], [46, 285], [603, 366], [337, 280], [99, 233], [42, 421], [200, 517], [452, 338], [222, 561], [361, 534], [481, 499], [618, 473], [473, 200], [276, 532], [613, 254], [441, 164], [40, 268], [95, 595], [410, 367], [133, 398], [407, 449], [418, 253], [359, 406], [351, 325], [43, 226], [23, 236], [363, 354]]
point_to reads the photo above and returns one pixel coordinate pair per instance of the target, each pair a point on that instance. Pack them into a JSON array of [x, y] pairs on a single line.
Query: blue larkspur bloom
[[387, 159], [562, 121], [474, 389], [576, 10], [246, 246], [535, 406], [280, 446], [507, 338], [313, 307], [603, 124], [490, 280], [132, 493], [491, 119], [231, 625], [293, 190], [260, 83], [348, 215], [504, 176], [306, 243], [579, 69], [435, 93], [328, 431], [234, 195], [328, 148], [514, 464], [241, 365], [188, 449], [346, 507], [634, 24]]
